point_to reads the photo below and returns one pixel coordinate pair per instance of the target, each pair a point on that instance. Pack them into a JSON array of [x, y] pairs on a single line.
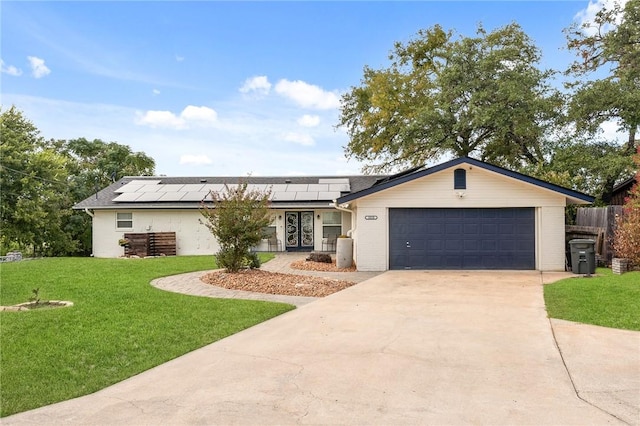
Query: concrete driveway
[[409, 347]]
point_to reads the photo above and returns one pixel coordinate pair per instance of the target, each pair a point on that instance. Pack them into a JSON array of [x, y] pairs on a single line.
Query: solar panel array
[[150, 191]]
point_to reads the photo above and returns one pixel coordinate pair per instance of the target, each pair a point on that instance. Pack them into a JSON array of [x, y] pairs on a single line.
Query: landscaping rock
[[319, 257], [258, 281]]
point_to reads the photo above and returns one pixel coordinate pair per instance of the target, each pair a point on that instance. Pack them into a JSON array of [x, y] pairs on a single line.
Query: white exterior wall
[[192, 236], [485, 189], [551, 250]]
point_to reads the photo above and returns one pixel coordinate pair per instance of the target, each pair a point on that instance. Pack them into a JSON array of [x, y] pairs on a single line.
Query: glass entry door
[[299, 230]]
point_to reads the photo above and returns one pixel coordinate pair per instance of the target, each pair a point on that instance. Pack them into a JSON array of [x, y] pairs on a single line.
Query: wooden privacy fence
[[596, 223], [151, 244]]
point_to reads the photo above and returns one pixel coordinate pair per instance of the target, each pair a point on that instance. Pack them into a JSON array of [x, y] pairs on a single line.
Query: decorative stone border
[[25, 306]]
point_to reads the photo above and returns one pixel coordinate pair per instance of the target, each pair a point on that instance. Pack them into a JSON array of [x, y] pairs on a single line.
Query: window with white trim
[[331, 224], [124, 220]]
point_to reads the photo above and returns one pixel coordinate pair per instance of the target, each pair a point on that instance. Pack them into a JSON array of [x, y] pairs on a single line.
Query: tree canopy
[[608, 50], [42, 179], [33, 181], [483, 96]]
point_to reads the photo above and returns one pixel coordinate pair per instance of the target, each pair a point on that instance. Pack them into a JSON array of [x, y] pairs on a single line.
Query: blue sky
[[227, 88]]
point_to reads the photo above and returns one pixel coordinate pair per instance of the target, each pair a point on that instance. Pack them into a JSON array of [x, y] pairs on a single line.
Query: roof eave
[[575, 196]]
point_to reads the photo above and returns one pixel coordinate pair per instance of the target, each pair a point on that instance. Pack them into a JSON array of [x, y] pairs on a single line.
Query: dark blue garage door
[[462, 238]]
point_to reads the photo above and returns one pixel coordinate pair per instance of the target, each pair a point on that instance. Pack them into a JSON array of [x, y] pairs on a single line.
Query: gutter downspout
[[345, 209], [89, 212]]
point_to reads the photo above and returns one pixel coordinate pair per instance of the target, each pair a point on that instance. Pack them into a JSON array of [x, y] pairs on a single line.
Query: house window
[[269, 232], [124, 220], [331, 224], [459, 179]]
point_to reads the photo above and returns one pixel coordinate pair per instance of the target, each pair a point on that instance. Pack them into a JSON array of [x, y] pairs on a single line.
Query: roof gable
[[420, 172]]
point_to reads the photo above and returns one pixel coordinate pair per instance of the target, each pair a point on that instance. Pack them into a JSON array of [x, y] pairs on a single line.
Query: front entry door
[[299, 230]]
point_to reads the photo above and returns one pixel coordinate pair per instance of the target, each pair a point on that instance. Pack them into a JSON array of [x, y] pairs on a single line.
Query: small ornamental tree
[[237, 219], [626, 238]]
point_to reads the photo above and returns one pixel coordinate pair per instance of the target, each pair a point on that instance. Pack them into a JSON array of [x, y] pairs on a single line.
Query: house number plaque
[[372, 217]]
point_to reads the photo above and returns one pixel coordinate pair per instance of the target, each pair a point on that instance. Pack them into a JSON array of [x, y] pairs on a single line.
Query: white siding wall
[[372, 239], [192, 237], [485, 189], [549, 225]]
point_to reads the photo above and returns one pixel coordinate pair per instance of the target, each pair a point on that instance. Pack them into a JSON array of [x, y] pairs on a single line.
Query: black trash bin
[[583, 256]]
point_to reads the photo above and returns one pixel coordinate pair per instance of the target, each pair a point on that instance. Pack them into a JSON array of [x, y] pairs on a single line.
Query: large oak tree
[[481, 96], [607, 70]]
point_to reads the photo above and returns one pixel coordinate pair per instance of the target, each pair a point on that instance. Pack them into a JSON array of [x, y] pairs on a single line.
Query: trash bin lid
[[582, 241]]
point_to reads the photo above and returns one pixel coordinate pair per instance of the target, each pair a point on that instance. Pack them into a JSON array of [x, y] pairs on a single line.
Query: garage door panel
[[462, 238], [435, 244]]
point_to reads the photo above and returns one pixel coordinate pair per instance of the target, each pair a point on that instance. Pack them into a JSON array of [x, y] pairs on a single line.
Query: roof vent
[[287, 181], [203, 181]]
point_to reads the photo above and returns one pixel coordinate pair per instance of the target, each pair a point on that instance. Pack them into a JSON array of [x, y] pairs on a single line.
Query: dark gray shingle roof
[[104, 199]]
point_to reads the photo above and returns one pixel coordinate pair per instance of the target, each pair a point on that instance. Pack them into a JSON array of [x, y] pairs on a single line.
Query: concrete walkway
[[406, 347], [191, 284]]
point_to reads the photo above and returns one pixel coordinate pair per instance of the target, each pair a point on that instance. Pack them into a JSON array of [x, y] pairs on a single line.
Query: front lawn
[[608, 300], [119, 325]]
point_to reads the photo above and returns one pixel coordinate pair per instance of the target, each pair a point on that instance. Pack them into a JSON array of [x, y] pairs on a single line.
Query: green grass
[[608, 300], [119, 325]]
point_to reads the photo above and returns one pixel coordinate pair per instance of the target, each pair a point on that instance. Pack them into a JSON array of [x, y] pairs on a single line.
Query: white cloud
[[586, 16], [202, 114], [156, 92], [38, 68], [307, 95], [9, 69], [190, 115], [236, 144], [259, 84], [196, 160], [179, 58], [299, 138], [309, 120], [161, 119]]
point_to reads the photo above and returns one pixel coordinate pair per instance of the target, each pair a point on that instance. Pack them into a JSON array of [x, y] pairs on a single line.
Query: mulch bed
[[260, 281], [305, 265]]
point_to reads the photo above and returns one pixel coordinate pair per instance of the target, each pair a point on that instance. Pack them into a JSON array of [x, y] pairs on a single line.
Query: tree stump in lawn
[[319, 257]]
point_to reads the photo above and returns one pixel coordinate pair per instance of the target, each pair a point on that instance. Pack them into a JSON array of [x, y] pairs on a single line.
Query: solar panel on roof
[[213, 187], [171, 188], [318, 187], [127, 197], [149, 196], [297, 187], [193, 187], [306, 196], [128, 188], [195, 196], [257, 187], [172, 196], [278, 187], [149, 188], [283, 196]]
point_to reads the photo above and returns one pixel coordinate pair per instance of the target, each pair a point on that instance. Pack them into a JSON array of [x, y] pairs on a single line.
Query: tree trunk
[[631, 143]]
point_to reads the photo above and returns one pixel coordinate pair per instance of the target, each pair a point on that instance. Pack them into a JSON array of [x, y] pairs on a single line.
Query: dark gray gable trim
[[452, 163]]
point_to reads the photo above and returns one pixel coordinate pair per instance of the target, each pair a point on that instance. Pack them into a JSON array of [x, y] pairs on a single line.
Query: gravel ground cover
[[260, 281], [306, 265]]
